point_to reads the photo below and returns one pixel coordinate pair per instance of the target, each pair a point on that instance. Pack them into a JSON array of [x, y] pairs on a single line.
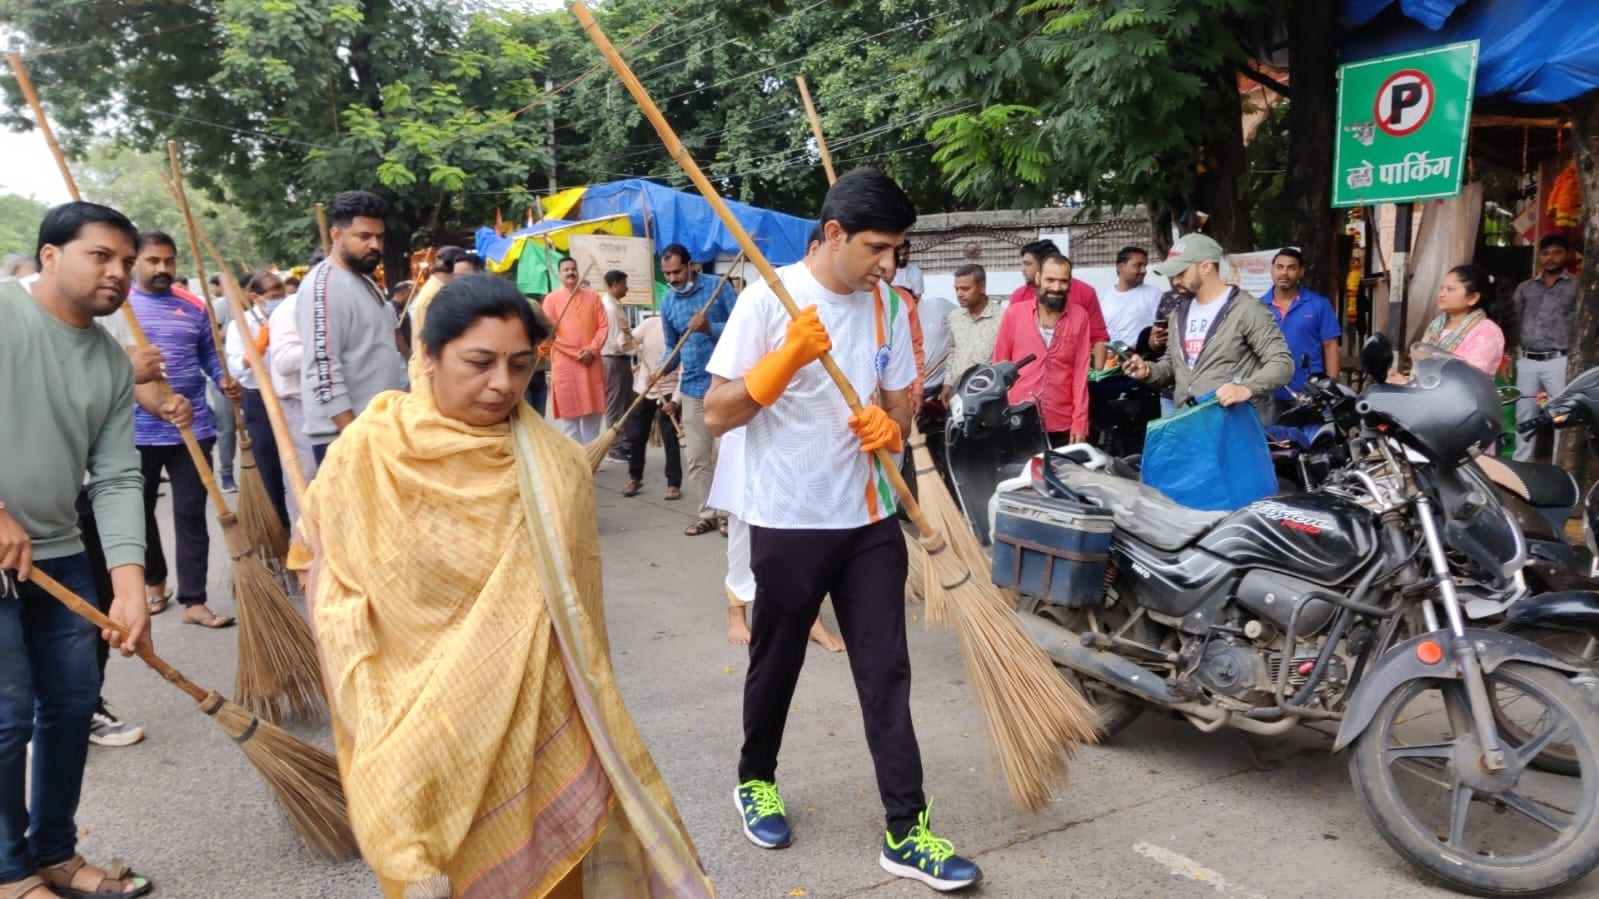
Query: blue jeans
[[49, 682]]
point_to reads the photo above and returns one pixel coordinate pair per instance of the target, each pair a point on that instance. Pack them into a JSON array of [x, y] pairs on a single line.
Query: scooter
[[988, 439]]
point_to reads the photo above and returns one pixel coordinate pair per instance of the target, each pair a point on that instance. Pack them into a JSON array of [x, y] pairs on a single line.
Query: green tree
[[19, 224]]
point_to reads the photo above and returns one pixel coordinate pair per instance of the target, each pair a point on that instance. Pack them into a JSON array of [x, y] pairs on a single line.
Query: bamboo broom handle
[[293, 474], [322, 229], [80, 606], [680, 153], [175, 187], [816, 129], [43, 121], [201, 463], [655, 379]]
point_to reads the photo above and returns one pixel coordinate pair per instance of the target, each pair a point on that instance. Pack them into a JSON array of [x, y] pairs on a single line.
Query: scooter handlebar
[[1026, 360]]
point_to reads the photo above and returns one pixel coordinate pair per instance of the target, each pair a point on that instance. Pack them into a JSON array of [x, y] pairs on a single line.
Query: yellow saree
[[455, 591]]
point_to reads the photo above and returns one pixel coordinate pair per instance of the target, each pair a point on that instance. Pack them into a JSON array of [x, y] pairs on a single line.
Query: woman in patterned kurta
[[577, 379]]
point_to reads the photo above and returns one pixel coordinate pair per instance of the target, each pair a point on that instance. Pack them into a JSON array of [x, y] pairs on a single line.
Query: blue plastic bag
[[1210, 457]]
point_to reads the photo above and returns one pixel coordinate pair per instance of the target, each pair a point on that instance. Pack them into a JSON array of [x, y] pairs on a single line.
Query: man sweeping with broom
[[821, 511], [66, 398]]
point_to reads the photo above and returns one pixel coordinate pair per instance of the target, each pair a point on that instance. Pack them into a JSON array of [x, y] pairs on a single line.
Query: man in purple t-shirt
[[176, 321]]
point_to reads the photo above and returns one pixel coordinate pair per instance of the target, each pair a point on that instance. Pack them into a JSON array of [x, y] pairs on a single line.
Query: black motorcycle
[[988, 439], [1344, 603]]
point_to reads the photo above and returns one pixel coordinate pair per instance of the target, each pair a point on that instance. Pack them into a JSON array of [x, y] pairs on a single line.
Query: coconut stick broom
[[602, 444], [254, 586], [257, 514], [304, 779], [1034, 716]]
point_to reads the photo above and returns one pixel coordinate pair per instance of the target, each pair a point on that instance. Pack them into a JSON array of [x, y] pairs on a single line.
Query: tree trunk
[[1313, 55], [1575, 456], [1220, 186]]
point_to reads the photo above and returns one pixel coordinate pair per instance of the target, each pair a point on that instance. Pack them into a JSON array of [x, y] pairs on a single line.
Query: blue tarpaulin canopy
[[1533, 51], [685, 218]]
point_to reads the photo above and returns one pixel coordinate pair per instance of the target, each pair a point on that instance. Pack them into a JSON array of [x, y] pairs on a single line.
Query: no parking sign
[[1402, 125]]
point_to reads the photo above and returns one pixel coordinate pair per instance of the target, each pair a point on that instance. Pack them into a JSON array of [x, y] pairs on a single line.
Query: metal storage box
[[1054, 549]]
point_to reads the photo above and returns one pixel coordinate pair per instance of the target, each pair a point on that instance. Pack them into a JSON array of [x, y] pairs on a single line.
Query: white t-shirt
[[910, 277], [1200, 315], [803, 466], [1128, 313]]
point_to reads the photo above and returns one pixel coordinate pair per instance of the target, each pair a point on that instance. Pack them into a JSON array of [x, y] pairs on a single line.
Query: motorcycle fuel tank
[[1324, 538]]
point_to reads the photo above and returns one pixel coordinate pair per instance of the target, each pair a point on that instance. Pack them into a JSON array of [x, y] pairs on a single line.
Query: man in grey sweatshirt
[[346, 324], [66, 396]]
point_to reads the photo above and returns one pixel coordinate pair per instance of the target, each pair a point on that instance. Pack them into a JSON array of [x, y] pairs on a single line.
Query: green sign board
[[1402, 124]]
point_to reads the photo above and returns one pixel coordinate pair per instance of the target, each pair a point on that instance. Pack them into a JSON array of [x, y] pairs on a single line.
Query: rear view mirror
[[1377, 358]]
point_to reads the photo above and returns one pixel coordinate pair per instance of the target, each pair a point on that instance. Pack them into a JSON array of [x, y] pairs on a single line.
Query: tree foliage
[[19, 224]]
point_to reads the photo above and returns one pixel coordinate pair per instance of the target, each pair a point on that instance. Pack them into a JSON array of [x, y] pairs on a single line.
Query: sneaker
[[930, 859], [106, 729], [762, 810], [228, 486]]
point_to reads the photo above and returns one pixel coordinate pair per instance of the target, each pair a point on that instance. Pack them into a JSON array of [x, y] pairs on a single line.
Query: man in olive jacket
[[1221, 338]]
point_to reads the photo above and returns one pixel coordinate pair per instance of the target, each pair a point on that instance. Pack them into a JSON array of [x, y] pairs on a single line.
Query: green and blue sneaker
[[761, 809], [930, 859]]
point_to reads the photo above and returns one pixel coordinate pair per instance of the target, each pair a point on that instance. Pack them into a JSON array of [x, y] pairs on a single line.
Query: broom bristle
[[303, 777], [1035, 717], [916, 571], [279, 675], [257, 514], [602, 445]]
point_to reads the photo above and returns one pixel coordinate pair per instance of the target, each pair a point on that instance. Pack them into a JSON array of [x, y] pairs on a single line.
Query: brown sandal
[[27, 887], [700, 526], [114, 880]]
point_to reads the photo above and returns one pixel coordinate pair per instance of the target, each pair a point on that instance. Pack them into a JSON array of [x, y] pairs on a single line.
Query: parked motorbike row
[[1409, 593]]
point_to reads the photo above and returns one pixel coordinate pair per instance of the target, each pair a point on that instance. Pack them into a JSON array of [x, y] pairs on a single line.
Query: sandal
[[721, 525], [158, 604], [114, 881], [700, 526], [674, 493], [632, 488], [210, 620], [27, 887]]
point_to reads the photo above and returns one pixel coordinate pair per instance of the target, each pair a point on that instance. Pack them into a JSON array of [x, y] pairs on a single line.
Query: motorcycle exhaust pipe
[[1066, 647]]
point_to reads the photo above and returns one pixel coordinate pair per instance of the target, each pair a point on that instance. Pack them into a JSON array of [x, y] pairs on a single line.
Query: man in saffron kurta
[[577, 379]]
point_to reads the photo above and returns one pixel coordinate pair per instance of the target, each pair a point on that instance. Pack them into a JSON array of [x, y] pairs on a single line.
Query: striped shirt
[[176, 323]]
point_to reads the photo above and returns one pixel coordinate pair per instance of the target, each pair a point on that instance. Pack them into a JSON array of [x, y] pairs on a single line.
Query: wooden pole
[[43, 121], [322, 229], [816, 129], [930, 535]]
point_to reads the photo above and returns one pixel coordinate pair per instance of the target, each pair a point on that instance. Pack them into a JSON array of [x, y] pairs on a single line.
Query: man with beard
[[1082, 294], [577, 376], [1056, 333], [346, 323], [67, 398], [681, 313], [1545, 305], [176, 322], [1223, 340]]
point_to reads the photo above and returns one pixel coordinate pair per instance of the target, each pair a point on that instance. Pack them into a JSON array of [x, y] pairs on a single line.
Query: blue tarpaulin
[[1545, 51], [685, 218]]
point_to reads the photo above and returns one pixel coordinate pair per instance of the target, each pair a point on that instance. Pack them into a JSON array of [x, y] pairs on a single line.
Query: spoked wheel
[[1116, 709], [1518, 720], [1519, 832]]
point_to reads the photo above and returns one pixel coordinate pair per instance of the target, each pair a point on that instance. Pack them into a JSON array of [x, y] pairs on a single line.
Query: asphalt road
[[1163, 811]]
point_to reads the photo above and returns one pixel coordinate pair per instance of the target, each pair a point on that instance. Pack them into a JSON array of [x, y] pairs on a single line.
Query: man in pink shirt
[[1056, 331], [1081, 294]]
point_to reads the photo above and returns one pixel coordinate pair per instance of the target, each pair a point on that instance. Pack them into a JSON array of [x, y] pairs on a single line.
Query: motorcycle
[[987, 439], [1343, 604]]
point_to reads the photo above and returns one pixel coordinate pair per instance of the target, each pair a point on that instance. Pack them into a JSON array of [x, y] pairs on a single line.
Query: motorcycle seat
[[1140, 509], [1544, 486]]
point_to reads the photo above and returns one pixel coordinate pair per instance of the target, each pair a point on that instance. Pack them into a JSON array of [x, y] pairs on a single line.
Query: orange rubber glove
[[805, 342], [262, 339], [876, 430]]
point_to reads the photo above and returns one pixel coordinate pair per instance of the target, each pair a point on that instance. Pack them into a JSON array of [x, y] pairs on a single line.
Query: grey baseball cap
[[1192, 249]]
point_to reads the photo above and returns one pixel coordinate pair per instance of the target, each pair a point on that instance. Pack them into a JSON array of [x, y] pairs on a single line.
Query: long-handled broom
[[602, 444], [284, 680], [258, 515], [304, 779], [1034, 716]]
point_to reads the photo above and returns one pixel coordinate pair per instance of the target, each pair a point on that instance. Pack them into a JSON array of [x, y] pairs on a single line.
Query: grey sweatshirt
[[1245, 344], [347, 328], [66, 404]]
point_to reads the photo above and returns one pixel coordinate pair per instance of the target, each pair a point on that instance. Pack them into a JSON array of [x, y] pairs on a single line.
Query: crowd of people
[[402, 408]]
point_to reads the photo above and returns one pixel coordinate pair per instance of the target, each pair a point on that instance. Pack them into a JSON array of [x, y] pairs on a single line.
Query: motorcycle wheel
[[1578, 649], [1117, 711], [1416, 771]]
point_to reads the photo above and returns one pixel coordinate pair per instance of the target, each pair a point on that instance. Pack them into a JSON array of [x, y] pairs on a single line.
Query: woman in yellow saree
[[453, 576]]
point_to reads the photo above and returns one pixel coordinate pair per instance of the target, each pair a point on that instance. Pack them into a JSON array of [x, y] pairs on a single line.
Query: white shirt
[[616, 344], [803, 465], [234, 354], [910, 278], [1200, 315], [727, 484], [1128, 313], [285, 352], [934, 314]]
